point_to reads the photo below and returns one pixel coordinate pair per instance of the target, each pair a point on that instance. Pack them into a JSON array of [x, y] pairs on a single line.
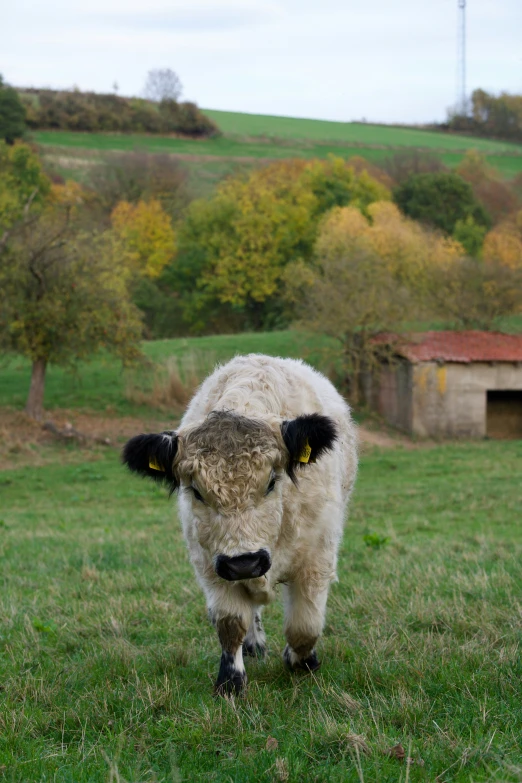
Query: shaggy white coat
[[300, 525]]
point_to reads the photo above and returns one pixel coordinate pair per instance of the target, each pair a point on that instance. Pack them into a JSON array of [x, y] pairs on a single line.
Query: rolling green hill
[[359, 133], [249, 139]]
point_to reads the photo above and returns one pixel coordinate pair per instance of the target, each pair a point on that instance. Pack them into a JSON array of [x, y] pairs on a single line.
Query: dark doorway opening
[[504, 414]]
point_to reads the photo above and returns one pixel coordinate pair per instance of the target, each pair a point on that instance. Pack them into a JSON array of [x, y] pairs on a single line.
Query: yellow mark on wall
[[442, 380]]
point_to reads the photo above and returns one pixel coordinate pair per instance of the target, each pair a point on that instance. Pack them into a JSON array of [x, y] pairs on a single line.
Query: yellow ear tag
[[154, 465], [306, 453]]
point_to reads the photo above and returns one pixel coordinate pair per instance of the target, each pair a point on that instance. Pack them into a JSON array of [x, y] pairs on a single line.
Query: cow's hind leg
[[304, 618], [254, 643]]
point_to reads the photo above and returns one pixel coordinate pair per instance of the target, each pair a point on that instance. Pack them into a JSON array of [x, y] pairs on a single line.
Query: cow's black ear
[[153, 455], [306, 438]]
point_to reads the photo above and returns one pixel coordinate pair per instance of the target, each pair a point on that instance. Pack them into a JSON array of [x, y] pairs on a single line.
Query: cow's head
[[230, 471]]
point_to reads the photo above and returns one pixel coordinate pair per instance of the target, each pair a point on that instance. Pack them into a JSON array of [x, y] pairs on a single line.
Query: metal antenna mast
[[461, 58]]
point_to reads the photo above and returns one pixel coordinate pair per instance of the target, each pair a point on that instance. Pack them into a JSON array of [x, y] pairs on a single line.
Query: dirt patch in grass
[[24, 441], [383, 439]]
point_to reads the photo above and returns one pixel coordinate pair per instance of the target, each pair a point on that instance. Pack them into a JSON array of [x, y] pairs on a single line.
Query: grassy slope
[[100, 384], [350, 132], [255, 137], [107, 659]]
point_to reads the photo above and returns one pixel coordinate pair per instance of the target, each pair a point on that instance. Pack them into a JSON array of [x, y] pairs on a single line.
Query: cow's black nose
[[247, 566]]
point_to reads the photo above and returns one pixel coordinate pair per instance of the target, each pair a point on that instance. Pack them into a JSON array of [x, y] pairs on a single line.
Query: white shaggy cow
[[265, 460]]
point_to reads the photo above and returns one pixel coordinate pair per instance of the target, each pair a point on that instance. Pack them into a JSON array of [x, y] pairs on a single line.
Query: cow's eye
[[197, 494], [271, 485]]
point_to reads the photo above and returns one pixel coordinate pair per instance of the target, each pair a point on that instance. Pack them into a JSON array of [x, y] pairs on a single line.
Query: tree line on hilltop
[[160, 111], [492, 116]]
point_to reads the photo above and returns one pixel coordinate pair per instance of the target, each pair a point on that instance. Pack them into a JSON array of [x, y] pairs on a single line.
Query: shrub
[[135, 176], [439, 200], [499, 197], [470, 235], [90, 112], [474, 294], [407, 163], [504, 243], [12, 114]]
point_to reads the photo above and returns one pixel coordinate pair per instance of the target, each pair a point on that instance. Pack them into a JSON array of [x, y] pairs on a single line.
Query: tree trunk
[[34, 406]]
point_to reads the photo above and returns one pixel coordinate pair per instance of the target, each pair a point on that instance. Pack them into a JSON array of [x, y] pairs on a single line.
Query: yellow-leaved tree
[[370, 273], [146, 235], [64, 291], [504, 243], [234, 247], [407, 248]]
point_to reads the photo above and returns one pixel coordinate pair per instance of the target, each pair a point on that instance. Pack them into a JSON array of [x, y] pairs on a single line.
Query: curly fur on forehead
[[229, 455]]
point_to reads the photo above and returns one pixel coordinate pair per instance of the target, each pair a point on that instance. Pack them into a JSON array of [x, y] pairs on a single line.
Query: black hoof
[[232, 686], [254, 650], [230, 681], [308, 664]]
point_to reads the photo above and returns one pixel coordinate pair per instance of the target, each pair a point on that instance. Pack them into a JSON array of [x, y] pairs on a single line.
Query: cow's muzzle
[[250, 565]]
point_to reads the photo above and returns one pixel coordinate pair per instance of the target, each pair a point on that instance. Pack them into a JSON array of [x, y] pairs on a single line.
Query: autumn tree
[[334, 183], [369, 274], [63, 294], [23, 186], [475, 294], [497, 116], [234, 247], [146, 236], [406, 247], [140, 176], [350, 295], [498, 196], [504, 242]]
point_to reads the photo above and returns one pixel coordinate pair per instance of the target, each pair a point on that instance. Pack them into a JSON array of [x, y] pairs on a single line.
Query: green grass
[[350, 132], [100, 384], [248, 139], [104, 385], [107, 659]]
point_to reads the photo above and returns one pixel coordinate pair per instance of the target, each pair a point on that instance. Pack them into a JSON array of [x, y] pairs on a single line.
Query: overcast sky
[[384, 60]]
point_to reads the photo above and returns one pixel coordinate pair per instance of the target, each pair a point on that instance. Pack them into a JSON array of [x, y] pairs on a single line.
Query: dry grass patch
[[170, 385]]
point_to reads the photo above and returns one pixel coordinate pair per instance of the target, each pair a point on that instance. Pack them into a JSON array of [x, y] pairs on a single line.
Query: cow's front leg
[[305, 606], [231, 631], [254, 643]]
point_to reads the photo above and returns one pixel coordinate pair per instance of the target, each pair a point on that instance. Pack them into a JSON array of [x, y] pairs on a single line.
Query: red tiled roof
[[471, 346]]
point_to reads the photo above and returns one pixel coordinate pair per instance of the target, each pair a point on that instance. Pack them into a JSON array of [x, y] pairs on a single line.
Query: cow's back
[[256, 385]]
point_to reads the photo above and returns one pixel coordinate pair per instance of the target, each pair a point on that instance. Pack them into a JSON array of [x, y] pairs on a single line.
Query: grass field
[[107, 659], [361, 133], [249, 139], [100, 385]]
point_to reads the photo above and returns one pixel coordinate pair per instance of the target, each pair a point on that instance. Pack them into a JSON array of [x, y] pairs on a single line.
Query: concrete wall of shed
[[449, 400], [389, 392], [437, 400]]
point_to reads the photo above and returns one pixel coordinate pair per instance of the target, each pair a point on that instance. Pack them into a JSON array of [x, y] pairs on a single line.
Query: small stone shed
[[450, 384]]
